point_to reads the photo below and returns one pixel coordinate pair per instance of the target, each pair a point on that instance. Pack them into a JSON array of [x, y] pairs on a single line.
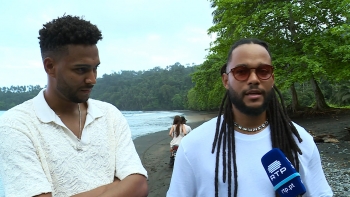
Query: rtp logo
[[275, 170], [274, 166]]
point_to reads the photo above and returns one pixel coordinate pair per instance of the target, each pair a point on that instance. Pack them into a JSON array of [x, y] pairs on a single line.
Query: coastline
[[153, 150]]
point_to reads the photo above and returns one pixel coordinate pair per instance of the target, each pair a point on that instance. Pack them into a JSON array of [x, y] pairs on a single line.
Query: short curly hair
[[65, 30]]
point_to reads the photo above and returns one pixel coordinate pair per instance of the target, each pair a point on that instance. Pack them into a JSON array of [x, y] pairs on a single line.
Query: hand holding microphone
[[283, 176]]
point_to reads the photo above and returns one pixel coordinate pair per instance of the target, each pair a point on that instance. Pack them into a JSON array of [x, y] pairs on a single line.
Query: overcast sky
[[137, 34]]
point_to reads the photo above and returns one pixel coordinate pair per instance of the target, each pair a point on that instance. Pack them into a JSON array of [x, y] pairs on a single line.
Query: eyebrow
[[246, 65], [85, 65]]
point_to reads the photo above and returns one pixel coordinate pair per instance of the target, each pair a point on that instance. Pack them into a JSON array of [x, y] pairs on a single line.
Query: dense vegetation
[[14, 95], [155, 89], [310, 45], [309, 40]]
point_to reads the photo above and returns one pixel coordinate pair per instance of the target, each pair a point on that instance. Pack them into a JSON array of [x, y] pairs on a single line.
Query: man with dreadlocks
[[61, 143], [222, 157]]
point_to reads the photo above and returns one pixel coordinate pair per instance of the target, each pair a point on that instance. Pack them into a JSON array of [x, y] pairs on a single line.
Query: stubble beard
[[237, 101], [67, 91]]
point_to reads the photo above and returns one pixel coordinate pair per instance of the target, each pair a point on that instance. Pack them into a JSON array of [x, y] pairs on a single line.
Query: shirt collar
[[46, 114]]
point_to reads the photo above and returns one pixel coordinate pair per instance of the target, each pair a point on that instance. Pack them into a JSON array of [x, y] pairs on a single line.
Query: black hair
[[282, 129], [183, 119], [247, 41], [58, 33]]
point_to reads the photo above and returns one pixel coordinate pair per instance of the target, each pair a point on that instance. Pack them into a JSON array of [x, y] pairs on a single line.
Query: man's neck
[[247, 121], [59, 105]]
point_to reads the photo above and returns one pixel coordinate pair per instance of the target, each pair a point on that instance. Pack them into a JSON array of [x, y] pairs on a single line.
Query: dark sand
[[153, 149]]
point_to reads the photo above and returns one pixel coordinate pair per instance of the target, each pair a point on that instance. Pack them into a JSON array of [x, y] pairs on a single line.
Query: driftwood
[[324, 138], [329, 138]]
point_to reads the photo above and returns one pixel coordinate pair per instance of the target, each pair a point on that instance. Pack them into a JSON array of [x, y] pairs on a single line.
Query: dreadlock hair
[[57, 34], [177, 121], [282, 130]]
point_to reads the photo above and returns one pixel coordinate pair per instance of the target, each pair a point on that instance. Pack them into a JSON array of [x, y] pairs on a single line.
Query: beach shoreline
[[154, 152]]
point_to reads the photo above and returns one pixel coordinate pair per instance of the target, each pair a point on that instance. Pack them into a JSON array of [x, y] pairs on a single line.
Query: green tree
[[208, 87], [306, 38]]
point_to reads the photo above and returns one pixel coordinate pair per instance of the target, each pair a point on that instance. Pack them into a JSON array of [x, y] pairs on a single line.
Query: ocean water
[[146, 122]]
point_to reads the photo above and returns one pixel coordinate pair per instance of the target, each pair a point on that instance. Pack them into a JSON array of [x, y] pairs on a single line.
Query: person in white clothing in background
[[61, 143], [176, 132], [188, 128], [222, 157]]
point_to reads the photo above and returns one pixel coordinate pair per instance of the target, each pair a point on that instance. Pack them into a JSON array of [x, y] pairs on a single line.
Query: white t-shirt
[[194, 170], [39, 154]]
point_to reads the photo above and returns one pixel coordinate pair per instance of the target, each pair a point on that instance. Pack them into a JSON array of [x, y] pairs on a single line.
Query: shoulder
[[307, 146], [105, 107], [18, 114], [304, 135], [101, 104]]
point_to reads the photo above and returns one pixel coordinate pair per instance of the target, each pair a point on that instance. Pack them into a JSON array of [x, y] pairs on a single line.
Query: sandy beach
[[153, 149]]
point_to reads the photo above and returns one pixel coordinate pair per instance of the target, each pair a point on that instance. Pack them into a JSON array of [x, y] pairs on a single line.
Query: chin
[[255, 105]]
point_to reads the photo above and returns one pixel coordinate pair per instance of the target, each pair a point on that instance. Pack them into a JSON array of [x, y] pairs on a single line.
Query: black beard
[[237, 101]]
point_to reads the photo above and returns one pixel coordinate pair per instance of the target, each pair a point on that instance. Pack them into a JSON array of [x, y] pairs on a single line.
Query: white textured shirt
[[39, 154]]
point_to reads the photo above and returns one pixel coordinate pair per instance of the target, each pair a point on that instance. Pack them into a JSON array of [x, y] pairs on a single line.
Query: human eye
[[80, 70], [264, 70], [241, 70]]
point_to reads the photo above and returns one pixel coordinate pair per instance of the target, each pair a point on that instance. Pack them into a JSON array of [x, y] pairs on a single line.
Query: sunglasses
[[242, 73]]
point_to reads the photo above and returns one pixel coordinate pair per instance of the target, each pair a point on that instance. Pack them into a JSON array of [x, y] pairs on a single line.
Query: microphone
[[282, 174]]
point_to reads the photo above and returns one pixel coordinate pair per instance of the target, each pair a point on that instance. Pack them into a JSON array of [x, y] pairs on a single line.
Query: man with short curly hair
[[61, 143]]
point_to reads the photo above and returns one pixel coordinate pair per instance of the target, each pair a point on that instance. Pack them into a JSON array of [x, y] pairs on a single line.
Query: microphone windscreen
[[283, 176]]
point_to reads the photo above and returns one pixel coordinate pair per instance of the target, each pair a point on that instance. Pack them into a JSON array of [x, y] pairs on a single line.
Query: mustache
[[253, 87]]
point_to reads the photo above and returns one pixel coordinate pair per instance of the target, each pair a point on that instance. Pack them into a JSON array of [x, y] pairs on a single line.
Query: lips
[[86, 89], [253, 92]]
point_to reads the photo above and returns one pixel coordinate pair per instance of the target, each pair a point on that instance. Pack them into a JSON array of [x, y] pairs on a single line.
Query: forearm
[[93, 193], [97, 191], [132, 186]]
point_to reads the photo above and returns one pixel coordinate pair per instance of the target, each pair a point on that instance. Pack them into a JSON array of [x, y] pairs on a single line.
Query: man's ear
[[224, 78], [49, 65]]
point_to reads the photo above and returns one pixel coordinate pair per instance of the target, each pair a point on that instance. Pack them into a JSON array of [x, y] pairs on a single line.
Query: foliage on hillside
[[154, 89], [309, 40], [14, 95]]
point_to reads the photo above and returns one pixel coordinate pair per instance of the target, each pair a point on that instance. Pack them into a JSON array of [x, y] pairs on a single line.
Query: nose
[[253, 78], [91, 77]]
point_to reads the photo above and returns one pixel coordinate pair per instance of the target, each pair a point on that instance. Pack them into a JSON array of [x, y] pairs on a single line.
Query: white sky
[[137, 34]]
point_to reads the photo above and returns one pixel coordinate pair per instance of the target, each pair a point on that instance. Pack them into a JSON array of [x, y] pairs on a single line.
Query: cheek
[[235, 85], [270, 84]]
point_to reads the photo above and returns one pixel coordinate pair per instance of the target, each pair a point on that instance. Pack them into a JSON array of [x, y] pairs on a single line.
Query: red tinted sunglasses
[[242, 73]]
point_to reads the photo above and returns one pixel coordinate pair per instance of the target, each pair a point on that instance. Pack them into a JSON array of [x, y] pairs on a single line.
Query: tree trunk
[[295, 101], [320, 101]]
